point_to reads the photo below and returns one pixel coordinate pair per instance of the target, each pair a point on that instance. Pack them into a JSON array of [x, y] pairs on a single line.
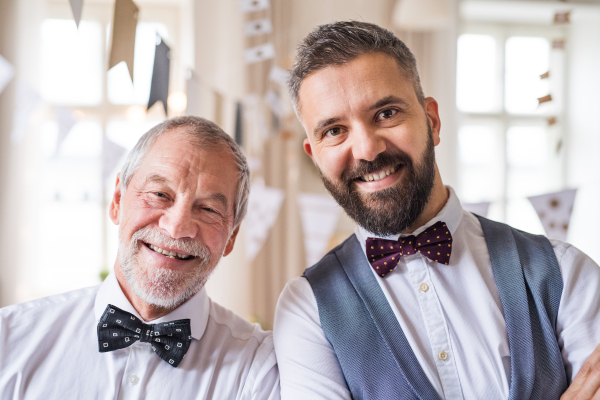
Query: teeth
[[169, 254], [381, 175]]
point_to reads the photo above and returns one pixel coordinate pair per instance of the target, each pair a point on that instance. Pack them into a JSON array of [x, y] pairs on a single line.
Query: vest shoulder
[[502, 228], [327, 258]]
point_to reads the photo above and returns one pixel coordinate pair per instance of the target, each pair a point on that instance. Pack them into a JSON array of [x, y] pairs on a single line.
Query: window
[[76, 239], [509, 143]]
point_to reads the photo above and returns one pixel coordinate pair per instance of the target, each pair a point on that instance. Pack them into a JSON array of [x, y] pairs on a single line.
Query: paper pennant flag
[[76, 7], [192, 91], [239, 123], [65, 122], [274, 102], [263, 207], [558, 44], [259, 53], [319, 214], [478, 208], [554, 210], [111, 155], [7, 71], [279, 75], [27, 100], [562, 17], [253, 5], [159, 88], [545, 75], [124, 23], [544, 99], [258, 27]]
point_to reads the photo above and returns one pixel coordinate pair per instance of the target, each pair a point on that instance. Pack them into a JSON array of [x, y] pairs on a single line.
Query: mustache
[[160, 239], [383, 160]]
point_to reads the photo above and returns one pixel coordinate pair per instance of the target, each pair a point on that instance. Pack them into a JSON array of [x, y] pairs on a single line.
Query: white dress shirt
[[49, 350], [451, 315]]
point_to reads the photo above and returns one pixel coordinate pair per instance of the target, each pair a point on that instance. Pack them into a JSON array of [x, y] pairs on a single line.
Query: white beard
[[158, 286]]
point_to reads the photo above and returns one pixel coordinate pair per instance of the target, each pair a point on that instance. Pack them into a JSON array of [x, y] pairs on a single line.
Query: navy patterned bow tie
[[118, 329], [434, 243]]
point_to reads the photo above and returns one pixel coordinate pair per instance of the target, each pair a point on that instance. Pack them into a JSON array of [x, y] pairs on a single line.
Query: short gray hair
[[341, 42], [206, 134]]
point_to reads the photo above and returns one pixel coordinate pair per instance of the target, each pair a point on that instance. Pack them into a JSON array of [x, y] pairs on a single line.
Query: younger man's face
[[371, 140]]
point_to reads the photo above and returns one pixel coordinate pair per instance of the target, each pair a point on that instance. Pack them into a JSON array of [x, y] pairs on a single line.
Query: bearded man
[[424, 300], [150, 331]]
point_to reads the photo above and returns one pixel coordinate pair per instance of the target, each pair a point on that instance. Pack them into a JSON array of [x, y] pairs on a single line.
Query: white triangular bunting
[[65, 122], [319, 214], [263, 207], [27, 101], [554, 210], [7, 71], [111, 155], [259, 53], [478, 208]]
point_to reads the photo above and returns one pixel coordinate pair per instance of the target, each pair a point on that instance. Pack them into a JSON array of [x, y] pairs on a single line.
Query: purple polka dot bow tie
[[434, 243], [118, 329]]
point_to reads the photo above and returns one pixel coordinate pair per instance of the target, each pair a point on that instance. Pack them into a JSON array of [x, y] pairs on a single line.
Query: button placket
[[436, 326]]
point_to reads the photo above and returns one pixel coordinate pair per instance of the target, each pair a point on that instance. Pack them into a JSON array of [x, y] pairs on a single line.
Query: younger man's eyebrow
[[388, 100], [323, 123]]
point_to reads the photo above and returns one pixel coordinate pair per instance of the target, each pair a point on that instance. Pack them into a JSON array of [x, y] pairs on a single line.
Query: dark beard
[[392, 210]]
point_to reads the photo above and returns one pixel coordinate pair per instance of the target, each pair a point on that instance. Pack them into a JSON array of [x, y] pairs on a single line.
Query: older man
[[150, 331], [424, 300]]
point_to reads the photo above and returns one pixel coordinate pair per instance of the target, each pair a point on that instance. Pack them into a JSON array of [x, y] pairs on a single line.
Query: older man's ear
[[115, 204], [231, 242]]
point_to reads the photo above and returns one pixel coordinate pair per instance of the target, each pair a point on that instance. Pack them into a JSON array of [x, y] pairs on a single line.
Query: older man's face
[[176, 219]]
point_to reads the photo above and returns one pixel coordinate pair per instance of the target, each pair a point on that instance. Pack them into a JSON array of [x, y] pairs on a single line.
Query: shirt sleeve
[[578, 321], [308, 366]]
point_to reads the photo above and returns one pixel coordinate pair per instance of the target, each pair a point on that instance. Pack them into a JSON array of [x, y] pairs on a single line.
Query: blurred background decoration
[[517, 83]]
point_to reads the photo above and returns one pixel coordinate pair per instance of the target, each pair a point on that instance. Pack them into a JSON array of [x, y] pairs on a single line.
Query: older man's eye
[[386, 114], [159, 194], [333, 132]]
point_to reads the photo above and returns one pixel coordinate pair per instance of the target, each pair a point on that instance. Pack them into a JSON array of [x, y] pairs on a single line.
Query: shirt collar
[[451, 214], [195, 309]]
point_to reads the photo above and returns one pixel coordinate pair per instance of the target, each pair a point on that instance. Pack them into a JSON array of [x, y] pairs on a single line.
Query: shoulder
[[227, 323], [50, 307]]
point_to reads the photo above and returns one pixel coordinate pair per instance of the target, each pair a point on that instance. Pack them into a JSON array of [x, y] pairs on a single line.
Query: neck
[[147, 311], [437, 201]]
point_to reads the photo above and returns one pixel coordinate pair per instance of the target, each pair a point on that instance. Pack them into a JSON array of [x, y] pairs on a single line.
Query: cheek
[[333, 161]]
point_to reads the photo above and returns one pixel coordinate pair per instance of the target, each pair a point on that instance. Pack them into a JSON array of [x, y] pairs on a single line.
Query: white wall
[[583, 146]]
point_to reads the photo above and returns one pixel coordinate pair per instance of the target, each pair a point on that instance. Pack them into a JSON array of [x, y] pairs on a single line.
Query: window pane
[[120, 89], [526, 59], [477, 86], [71, 62], [480, 167], [527, 146]]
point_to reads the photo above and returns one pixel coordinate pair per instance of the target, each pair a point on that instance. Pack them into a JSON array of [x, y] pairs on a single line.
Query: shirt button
[[134, 380], [443, 355], [424, 287]]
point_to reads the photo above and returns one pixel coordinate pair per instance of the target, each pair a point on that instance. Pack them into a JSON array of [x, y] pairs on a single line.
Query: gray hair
[[206, 134], [342, 42]]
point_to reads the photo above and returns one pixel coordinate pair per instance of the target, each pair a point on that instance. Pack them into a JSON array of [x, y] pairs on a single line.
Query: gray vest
[[374, 354]]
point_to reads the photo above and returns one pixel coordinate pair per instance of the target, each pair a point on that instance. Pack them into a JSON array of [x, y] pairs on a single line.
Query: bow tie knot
[[434, 243], [119, 329]]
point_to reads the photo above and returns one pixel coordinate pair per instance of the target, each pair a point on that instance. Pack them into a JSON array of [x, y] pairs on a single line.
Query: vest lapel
[[508, 274], [358, 270]]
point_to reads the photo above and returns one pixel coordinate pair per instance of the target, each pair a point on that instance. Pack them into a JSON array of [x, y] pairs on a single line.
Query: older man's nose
[[178, 222], [367, 144]]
